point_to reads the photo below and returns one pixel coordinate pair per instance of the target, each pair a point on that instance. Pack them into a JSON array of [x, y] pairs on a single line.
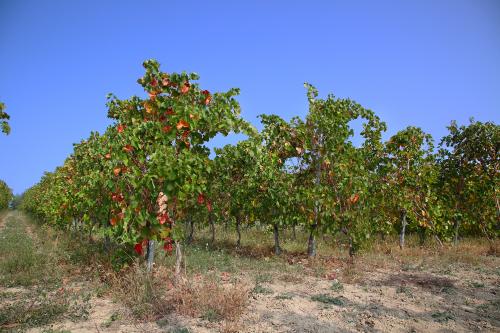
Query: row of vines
[[5, 195], [5, 192], [151, 173]]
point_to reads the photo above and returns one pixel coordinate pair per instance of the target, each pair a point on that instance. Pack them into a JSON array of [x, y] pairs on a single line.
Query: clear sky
[[419, 63]]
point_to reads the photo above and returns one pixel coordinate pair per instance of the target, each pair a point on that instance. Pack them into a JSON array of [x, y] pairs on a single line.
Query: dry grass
[[353, 273], [211, 300], [152, 296], [471, 251], [142, 293]]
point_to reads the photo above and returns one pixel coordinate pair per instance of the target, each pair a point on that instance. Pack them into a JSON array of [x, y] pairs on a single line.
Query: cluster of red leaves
[[163, 218], [117, 197], [167, 246], [139, 247], [202, 200], [208, 98]]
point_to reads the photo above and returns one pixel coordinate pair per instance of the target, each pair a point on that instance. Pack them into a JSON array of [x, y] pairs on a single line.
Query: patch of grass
[[29, 258], [211, 315], [41, 309], [327, 299], [171, 326], [476, 284], [114, 317], [442, 317], [79, 306], [180, 330], [482, 307], [404, 290], [25, 314], [101, 290], [22, 263], [6, 295], [448, 270], [450, 290], [259, 289], [490, 309], [285, 296], [263, 278], [201, 259], [337, 286], [406, 267]]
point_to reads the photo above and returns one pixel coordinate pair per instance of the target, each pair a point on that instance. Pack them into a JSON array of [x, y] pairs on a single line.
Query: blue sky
[[419, 63]]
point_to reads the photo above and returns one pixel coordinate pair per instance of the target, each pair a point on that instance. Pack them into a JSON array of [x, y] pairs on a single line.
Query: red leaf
[[117, 197], [113, 221], [153, 82], [209, 205], [168, 246], [354, 198], [128, 148], [201, 199], [117, 171], [208, 98], [138, 248], [108, 156], [148, 107], [185, 88], [166, 129], [164, 217], [152, 95], [120, 128], [181, 124]]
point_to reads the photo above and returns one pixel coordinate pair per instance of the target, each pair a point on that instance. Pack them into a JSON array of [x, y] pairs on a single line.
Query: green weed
[[285, 296], [327, 299], [259, 289], [337, 286], [442, 317]]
